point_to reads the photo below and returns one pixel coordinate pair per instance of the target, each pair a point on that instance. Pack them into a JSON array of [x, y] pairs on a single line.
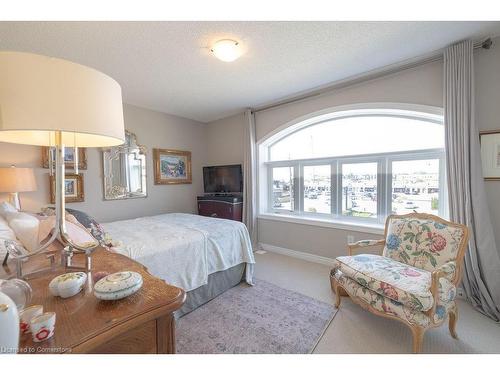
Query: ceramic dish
[[28, 313], [42, 327], [119, 294], [68, 284], [117, 282]]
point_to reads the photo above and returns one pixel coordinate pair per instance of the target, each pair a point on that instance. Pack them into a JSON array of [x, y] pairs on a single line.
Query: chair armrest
[[364, 244], [446, 271]]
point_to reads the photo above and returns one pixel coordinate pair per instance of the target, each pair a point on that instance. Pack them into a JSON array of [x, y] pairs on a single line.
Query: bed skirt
[[218, 283]]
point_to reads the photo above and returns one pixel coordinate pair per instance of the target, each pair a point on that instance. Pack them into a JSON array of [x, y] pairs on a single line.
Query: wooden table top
[[82, 321]]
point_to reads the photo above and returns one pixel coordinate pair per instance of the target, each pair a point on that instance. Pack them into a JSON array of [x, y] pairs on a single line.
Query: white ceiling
[[166, 66]]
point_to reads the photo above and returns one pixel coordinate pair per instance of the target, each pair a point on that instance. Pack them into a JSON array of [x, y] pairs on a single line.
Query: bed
[[204, 256]]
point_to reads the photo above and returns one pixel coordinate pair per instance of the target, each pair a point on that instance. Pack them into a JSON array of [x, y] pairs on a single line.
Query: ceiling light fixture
[[226, 50]]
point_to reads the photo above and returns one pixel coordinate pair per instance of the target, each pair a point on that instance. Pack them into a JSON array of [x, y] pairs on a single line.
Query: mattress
[[184, 249]]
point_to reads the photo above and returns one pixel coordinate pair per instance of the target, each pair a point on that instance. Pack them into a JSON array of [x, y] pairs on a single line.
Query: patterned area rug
[[260, 319]]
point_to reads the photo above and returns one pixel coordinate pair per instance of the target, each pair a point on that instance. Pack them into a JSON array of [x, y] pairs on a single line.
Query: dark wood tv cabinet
[[221, 206]]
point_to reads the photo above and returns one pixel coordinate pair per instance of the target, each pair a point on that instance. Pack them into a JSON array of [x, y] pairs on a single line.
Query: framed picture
[[490, 154], [69, 157], [73, 188], [172, 166]]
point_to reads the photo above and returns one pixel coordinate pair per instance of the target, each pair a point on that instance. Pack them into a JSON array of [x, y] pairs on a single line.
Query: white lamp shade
[[40, 95], [17, 180]]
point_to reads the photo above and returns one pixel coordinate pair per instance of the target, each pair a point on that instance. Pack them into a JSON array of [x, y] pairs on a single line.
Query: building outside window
[[358, 167]]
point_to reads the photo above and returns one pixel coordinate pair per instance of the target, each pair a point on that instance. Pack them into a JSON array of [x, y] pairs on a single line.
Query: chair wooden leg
[[418, 338], [452, 323], [337, 297], [337, 290]]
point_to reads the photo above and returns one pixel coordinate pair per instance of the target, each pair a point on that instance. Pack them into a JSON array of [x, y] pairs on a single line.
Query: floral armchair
[[414, 280]]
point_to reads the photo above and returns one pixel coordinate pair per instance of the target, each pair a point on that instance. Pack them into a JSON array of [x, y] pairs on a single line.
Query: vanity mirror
[[124, 170]]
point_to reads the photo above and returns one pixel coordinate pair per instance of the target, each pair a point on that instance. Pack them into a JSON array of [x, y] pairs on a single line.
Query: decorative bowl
[[118, 285], [68, 284]]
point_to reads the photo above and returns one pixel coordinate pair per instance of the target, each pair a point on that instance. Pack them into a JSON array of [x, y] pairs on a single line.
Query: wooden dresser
[[221, 206], [141, 323]]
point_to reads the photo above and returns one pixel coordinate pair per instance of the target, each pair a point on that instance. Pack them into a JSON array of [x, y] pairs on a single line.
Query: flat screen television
[[224, 179]]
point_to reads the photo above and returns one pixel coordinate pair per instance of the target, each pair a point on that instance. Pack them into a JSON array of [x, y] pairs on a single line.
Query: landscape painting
[[69, 157], [73, 188], [172, 166]]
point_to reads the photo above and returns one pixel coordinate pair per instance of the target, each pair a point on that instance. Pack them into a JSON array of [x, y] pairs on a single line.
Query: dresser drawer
[[138, 340], [215, 209], [222, 210]]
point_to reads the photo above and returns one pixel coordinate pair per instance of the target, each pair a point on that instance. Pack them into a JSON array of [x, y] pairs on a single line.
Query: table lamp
[[47, 101], [16, 180]]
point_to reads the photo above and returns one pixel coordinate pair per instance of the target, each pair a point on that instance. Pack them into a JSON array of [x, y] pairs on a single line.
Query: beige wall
[[422, 85], [225, 141], [154, 130]]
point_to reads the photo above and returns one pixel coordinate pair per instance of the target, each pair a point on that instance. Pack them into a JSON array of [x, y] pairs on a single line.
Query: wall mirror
[[124, 169]]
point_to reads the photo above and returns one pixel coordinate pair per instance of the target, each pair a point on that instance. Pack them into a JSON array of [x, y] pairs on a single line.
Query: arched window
[[358, 166]]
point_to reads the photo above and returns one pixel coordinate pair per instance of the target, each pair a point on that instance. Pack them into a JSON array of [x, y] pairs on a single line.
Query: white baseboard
[[297, 254]]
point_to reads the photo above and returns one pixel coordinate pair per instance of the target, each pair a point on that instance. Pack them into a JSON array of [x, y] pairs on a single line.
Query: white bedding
[[184, 249]]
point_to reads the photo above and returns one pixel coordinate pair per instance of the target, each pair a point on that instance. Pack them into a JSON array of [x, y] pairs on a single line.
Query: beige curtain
[[250, 177], [467, 197]]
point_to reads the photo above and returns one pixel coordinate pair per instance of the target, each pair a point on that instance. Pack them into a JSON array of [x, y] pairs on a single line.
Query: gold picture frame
[[68, 157], [172, 166], [489, 141], [74, 191]]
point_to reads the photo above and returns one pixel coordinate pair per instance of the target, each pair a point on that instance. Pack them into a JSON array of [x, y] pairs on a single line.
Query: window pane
[[359, 190], [283, 188], [317, 189], [415, 186], [356, 135]]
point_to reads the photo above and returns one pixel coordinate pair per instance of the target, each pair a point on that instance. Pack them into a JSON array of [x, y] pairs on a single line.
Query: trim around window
[[377, 229], [384, 195]]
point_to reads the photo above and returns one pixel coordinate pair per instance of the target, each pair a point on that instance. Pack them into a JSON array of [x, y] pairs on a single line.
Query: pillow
[[5, 230], [25, 226], [6, 207], [6, 234], [88, 222], [76, 232]]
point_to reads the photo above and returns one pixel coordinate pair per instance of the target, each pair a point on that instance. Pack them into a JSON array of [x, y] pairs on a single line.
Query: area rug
[[263, 318]]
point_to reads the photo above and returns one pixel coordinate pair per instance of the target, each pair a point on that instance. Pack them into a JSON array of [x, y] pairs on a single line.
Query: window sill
[[377, 229]]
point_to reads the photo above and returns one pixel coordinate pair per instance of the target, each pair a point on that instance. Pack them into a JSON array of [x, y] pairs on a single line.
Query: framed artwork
[[172, 166], [490, 154], [73, 188], [69, 157]]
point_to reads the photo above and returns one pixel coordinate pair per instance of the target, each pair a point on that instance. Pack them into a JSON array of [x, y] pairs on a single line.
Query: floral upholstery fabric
[[364, 243], [422, 243], [389, 306], [394, 280]]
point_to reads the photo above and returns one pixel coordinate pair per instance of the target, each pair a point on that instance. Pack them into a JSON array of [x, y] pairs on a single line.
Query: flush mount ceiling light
[[226, 50]]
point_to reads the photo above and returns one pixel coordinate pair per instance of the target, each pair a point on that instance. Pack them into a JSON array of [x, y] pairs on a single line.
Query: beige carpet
[[354, 330]]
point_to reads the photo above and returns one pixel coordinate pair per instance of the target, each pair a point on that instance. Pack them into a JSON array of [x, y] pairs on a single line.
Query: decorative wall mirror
[[124, 169]]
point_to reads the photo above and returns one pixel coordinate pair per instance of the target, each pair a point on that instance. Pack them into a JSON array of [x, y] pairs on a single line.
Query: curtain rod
[[363, 77]]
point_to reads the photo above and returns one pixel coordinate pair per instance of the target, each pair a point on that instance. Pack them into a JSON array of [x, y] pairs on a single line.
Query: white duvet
[[184, 249]]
